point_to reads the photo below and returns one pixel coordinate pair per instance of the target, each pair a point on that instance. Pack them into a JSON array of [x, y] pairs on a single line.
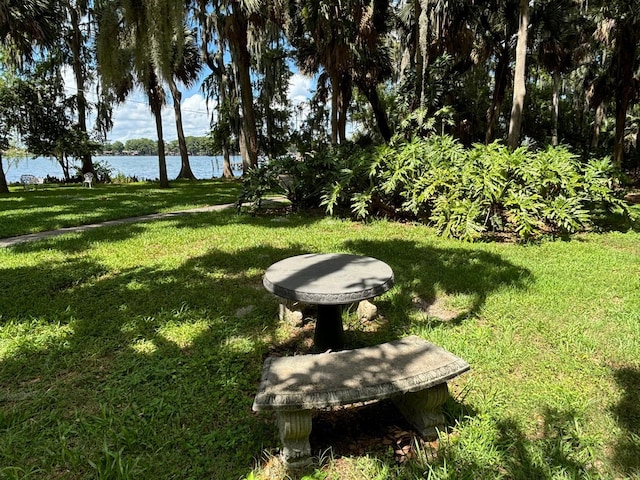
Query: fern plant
[[464, 193]]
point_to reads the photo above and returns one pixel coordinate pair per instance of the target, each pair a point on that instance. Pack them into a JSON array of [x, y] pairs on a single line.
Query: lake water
[[141, 167]]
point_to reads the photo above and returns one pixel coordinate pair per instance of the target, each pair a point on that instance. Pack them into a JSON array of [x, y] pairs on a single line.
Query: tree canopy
[[542, 72]]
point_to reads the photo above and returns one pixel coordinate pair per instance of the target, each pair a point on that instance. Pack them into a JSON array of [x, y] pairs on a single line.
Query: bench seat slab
[[350, 376]]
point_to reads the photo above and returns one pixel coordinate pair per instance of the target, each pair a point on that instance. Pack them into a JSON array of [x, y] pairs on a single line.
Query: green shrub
[[256, 184], [465, 193], [469, 193], [303, 179], [103, 169]]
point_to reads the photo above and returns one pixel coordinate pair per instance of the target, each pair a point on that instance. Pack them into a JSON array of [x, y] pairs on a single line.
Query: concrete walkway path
[[10, 241]]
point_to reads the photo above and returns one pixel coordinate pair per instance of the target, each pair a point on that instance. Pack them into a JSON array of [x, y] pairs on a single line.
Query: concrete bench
[[412, 372], [28, 180]]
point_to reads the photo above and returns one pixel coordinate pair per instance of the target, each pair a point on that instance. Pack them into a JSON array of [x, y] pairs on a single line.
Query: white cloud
[[133, 118], [299, 92], [299, 88]]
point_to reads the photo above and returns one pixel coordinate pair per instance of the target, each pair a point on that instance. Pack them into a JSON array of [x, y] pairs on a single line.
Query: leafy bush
[[256, 184], [468, 193], [464, 193], [103, 169], [301, 178]]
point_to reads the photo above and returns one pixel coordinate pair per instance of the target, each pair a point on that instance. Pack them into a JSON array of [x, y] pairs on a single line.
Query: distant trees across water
[[146, 146]]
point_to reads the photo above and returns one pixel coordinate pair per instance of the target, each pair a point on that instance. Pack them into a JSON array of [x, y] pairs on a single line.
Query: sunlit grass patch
[[60, 206], [32, 336], [183, 334]]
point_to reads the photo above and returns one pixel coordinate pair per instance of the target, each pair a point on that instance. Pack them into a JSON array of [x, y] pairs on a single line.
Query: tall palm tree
[[320, 32], [615, 68], [346, 41], [495, 28], [431, 28], [185, 69], [219, 86], [76, 38], [372, 59], [8, 109], [625, 63], [25, 24], [230, 22], [561, 35], [272, 102]]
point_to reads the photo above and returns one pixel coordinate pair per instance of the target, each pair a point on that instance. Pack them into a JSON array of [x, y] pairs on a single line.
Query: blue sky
[[133, 119]]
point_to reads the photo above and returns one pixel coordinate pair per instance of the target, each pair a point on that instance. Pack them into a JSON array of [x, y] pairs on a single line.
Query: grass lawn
[[134, 351], [56, 206]]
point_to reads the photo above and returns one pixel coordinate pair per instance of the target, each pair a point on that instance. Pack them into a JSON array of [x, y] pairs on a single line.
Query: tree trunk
[[4, 188], [185, 166], [155, 100], [63, 161], [242, 61], [216, 64], [622, 102], [335, 106], [422, 54], [519, 80], [78, 70], [597, 124], [378, 111], [344, 102], [242, 143], [627, 40], [557, 79], [227, 171], [500, 86], [162, 160]]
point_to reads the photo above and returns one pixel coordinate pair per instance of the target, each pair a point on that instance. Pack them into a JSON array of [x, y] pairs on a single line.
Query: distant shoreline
[[141, 167]]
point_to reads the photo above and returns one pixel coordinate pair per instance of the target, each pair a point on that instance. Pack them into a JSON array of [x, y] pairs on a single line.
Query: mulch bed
[[377, 429], [633, 197]]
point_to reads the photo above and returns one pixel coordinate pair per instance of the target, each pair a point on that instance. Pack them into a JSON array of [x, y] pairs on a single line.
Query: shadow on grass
[[483, 449], [627, 413], [136, 365], [503, 450], [422, 272], [123, 368], [65, 206]]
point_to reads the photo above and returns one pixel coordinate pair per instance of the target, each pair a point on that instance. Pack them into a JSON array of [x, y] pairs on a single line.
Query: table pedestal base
[[329, 334]]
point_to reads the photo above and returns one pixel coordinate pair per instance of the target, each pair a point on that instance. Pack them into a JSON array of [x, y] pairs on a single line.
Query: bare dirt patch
[[436, 309]]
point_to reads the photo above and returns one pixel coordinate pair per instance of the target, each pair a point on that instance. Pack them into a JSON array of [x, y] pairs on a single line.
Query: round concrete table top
[[328, 278]]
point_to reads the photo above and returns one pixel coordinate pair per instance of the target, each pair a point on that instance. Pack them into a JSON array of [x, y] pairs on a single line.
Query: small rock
[[367, 310], [292, 317]]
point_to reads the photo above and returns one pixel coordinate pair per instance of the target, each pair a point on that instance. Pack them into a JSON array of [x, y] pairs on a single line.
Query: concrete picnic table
[[328, 280]]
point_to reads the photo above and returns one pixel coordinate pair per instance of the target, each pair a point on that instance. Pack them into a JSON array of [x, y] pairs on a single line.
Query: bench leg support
[[295, 427], [423, 409]]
